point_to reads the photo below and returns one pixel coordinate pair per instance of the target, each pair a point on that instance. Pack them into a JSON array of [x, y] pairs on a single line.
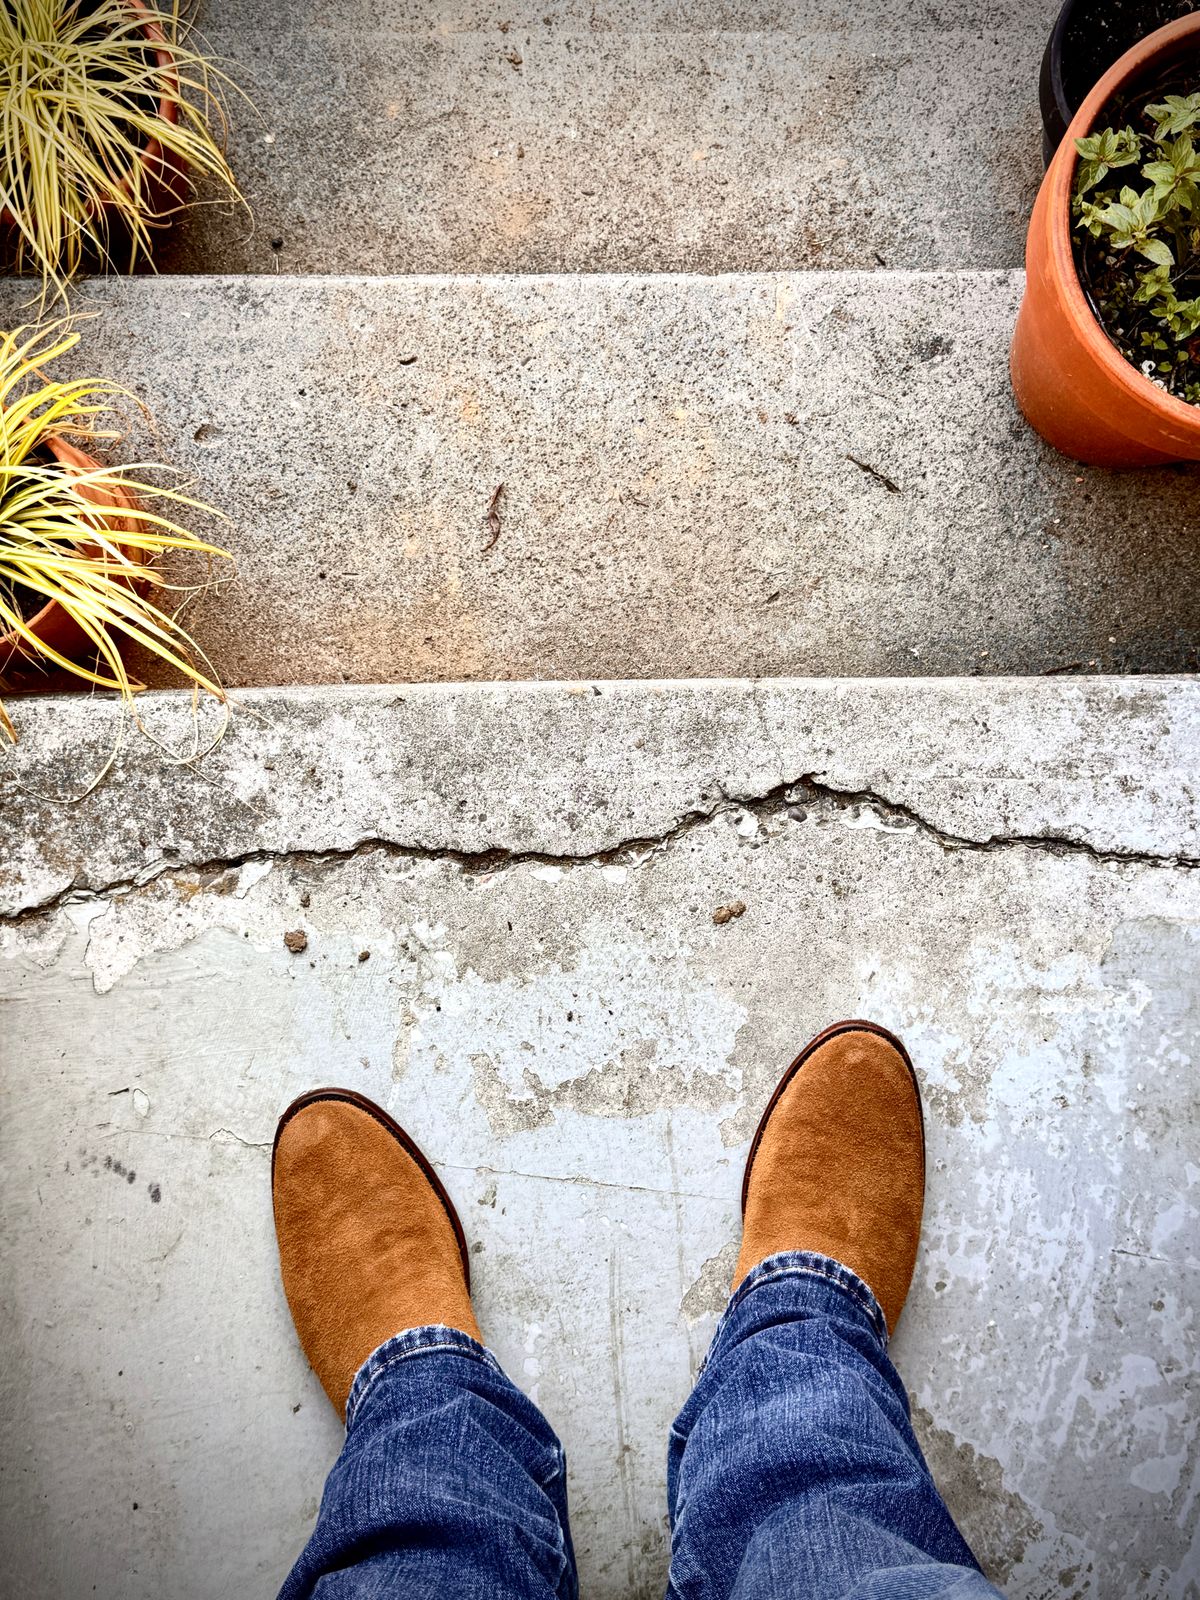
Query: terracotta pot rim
[[1060, 180], [68, 455], [152, 154]]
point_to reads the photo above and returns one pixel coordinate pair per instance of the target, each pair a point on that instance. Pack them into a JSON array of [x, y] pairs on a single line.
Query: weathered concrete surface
[[813, 474], [646, 135], [478, 773], [585, 1054]]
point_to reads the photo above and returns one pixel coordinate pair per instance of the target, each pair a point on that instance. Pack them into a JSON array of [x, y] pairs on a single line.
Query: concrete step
[[1005, 872], [627, 135], [749, 475]]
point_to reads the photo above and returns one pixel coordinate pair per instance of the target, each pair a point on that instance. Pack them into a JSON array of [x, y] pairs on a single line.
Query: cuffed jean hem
[[793, 1470], [407, 1346], [449, 1482], [817, 1285]]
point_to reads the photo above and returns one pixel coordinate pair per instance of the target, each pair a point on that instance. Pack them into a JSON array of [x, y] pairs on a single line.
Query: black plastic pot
[[1087, 38]]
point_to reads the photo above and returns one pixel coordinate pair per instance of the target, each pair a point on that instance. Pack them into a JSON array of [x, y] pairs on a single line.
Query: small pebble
[[296, 941], [724, 914]]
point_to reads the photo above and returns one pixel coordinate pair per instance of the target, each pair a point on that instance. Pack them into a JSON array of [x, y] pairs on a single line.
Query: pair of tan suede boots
[[370, 1244]]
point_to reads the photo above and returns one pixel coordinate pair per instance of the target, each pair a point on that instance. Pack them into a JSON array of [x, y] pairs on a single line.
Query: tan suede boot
[[838, 1163], [369, 1243]]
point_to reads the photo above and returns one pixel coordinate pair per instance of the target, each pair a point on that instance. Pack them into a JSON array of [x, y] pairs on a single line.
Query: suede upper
[[366, 1244], [839, 1164]]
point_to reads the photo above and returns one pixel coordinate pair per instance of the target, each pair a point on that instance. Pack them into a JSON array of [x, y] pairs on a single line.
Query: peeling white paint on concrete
[[585, 1060], [619, 1004]]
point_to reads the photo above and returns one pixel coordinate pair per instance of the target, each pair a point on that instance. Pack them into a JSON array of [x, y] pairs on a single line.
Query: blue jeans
[[792, 1472]]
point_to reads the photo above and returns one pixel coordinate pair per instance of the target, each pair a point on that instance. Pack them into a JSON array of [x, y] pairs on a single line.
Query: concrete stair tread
[[743, 475], [402, 137]]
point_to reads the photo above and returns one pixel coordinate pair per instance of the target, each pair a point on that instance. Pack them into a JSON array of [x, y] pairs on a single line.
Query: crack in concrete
[[808, 790], [225, 1135], [250, 1144], [580, 1179], [1144, 1255], [1058, 844]]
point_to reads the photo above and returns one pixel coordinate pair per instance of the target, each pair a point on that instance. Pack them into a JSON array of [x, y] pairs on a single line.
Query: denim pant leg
[[793, 1472], [450, 1483]]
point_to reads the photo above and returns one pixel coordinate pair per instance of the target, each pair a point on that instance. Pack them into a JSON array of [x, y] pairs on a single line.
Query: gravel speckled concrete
[[742, 476], [1005, 873], [419, 136]]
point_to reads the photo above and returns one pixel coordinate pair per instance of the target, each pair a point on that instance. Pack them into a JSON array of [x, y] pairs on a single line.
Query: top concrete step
[[643, 135]]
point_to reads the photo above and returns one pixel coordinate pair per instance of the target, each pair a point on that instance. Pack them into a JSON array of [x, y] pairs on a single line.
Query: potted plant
[[107, 122], [1104, 355], [77, 539], [1087, 38]]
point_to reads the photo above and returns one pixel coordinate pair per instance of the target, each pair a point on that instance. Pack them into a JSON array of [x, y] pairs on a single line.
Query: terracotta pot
[[52, 625], [1070, 380], [163, 168]]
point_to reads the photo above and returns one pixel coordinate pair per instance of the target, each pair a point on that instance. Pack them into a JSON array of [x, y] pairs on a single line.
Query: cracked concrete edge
[[490, 775]]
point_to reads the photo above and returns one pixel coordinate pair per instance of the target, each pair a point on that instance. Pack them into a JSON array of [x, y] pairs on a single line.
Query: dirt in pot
[[1100, 32], [25, 601], [140, 97], [1136, 226]]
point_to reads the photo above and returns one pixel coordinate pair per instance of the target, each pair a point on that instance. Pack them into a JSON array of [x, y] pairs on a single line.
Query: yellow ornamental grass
[[56, 545], [103, 131]]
